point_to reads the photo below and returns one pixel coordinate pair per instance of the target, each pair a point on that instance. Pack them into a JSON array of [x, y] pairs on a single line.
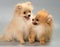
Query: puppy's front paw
[[23, 42], [42, 41], [31, 40]]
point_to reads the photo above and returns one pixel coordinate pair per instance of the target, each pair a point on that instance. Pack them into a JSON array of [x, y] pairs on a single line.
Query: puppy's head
[[42, 17], [24, 10]]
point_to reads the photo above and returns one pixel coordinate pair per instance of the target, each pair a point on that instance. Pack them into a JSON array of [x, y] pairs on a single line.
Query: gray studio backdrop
[[53, 7]]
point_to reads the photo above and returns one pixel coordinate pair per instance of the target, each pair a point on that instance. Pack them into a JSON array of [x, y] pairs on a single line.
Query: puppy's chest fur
[[39, 29], [24, 26], [21, 26]]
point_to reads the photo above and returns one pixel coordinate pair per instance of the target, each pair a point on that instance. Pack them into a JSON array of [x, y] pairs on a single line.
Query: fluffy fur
[[42, 27], [19, 26]]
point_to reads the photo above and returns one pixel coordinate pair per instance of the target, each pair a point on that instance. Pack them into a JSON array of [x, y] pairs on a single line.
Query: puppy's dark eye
[[37, 20], [32, 19], [24, 12]]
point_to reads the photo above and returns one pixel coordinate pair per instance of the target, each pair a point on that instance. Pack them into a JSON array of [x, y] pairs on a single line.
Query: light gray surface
[[6, 14]]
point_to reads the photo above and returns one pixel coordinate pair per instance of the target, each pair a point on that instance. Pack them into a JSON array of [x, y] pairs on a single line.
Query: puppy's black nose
[[29, 15]]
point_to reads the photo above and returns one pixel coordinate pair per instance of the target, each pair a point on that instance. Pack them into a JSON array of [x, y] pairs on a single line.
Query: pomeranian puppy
[[19, 26], [42, 27]]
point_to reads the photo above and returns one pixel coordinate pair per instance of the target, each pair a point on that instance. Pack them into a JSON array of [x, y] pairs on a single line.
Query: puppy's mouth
[[27, 18], [34, 23]]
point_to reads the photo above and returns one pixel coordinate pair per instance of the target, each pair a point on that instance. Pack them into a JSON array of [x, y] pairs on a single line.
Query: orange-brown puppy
[[42, 27], [19, 26]]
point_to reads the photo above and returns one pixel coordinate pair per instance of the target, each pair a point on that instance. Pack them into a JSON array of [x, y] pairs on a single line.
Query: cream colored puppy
[[42, 27], [19, 26]]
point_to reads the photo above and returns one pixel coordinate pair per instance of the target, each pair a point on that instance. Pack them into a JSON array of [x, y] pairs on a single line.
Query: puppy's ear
[[28, 3], [49, 19], [19, 6]]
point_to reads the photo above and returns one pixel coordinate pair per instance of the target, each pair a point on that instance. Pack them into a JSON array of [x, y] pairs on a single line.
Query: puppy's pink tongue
[[27, 18]]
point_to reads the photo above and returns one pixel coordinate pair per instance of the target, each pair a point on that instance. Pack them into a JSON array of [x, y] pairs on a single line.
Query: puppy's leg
[[31, 37], [20, 38], [47, 38], [42, 40]]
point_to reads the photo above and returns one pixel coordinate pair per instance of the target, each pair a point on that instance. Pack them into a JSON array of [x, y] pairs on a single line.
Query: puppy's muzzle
[[27, 17], [34, 23]]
